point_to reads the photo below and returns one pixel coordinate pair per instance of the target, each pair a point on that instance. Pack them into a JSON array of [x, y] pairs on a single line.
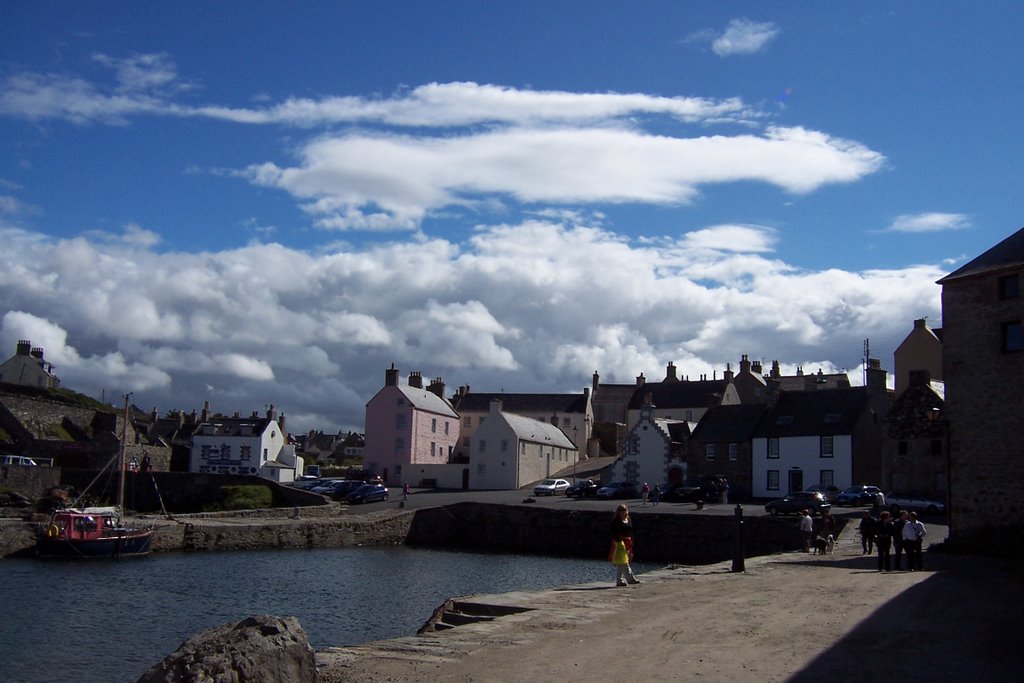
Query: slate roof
[[735, 423], [536, 431], [522, 403], [1007, 254], [427, 400], [808, 413], [682, 394], [235, 426]]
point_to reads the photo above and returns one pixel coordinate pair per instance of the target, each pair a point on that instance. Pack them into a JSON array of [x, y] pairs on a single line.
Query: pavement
[[787, 617]]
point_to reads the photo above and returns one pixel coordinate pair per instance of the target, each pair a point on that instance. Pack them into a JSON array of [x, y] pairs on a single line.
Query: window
[[446, 424], [826, 446], [709, 451], [482, 448], [734, 452], [1009, 287], [399, 446], [401, 401], [468, 421], [565, 422], [827, 478], [773, 447], [433, 425], [246, 452], [433, 449], [1013, 336], [773, 480], [400, 421]]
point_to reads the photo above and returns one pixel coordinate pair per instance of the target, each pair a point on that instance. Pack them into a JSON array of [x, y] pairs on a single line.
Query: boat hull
[[133, 543]]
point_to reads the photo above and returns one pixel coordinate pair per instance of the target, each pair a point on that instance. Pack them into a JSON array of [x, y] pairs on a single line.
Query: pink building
[[408, 425]]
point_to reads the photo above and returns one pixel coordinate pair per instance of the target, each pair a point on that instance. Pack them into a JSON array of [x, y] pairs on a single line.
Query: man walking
[[806, 529], [913, 540]]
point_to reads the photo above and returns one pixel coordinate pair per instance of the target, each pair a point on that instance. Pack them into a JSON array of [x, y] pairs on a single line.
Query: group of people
[[823, 529], [892, 538], [647, 493]]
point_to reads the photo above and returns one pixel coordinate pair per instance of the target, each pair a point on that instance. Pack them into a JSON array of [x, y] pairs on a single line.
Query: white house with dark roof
[[652, 451], [251, 445], [27, 368], [509, 451]]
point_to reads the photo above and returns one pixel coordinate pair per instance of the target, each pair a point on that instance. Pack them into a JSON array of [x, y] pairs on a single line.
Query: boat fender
[[52, 531]]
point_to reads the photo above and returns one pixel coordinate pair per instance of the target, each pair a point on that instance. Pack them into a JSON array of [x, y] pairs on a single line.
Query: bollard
[[737, 553]]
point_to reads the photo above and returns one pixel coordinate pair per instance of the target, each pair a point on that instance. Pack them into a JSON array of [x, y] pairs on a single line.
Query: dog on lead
[[824, 546]]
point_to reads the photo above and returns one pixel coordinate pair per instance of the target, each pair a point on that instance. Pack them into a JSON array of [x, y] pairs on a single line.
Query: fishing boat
[[95, 532]]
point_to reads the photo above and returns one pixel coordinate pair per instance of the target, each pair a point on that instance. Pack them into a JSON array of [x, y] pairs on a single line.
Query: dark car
[[618, 489], [368, 493], [797, 502], [583, 488], [861, 494], [340, 489], [682, 494]]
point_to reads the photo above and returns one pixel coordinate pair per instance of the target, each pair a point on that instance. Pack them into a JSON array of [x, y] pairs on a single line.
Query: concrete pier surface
[[787, 617]]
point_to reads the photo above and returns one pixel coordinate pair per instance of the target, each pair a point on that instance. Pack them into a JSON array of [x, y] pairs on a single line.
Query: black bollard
[[737, 554]]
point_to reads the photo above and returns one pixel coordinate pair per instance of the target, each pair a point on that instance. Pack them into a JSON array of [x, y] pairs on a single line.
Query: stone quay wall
[[670, 538], [677, 538]]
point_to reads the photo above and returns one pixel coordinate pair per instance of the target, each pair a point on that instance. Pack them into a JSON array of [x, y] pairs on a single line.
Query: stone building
[[914, 454], [28, 368], [921, 350], [983, 365]]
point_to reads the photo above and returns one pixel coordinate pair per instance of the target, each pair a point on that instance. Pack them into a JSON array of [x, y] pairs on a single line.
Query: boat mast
[[124, 442]]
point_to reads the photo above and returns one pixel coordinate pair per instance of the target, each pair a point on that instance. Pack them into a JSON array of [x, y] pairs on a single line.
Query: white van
[[17, 460]]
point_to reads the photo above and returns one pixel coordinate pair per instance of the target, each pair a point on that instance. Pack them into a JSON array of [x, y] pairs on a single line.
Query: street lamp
[[575, 452]]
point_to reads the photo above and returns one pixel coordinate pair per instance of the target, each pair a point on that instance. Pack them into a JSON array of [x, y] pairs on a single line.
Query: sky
[[254, 204]]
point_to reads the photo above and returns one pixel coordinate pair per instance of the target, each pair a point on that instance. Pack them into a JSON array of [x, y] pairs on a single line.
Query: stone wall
[[686, 539], [670, 538], [30, 482]]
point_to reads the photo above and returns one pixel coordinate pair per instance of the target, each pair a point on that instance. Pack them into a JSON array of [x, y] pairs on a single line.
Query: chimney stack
[[436, 387], [755, 367], [391, 376], [670, 372], [24, 347], [416, 379]]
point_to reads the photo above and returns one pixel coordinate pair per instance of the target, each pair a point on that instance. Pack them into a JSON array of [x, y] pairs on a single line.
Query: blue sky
[[248, 204]]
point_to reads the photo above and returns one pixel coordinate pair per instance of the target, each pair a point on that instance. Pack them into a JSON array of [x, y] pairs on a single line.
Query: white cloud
[[744, 37], [929, 222], [534, 306], [373, 181]]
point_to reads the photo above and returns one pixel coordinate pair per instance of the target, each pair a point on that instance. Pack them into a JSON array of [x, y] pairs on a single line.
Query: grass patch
[[242, 497]]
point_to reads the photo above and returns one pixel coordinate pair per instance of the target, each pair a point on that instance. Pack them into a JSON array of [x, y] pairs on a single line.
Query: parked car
[[682, 494], [583, 488], [861, 494], [830, 491], [798, 501], [913, 501], [550, 487], [618, 489], [339, 490], [324, 486], [368, 493], [18, 460]]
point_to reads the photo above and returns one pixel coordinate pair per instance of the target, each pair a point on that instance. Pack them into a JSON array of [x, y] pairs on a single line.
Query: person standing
[[897, 540], [806, 529], [621, 553], [645, 491], [913, 540], [656, 495], [405, 492], [867, 532], [883, 540]]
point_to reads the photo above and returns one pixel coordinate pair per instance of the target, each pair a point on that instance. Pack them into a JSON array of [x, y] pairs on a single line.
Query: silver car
[[914, 501]]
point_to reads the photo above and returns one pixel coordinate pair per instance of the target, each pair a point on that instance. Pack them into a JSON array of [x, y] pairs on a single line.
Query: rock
[[261, 649]]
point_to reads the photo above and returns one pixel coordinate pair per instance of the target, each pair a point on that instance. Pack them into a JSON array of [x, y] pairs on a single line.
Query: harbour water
[[108, 622]]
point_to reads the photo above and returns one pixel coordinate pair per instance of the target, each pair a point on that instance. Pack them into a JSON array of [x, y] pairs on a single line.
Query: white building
[[238, 445], [650, 451], [509, 451]]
